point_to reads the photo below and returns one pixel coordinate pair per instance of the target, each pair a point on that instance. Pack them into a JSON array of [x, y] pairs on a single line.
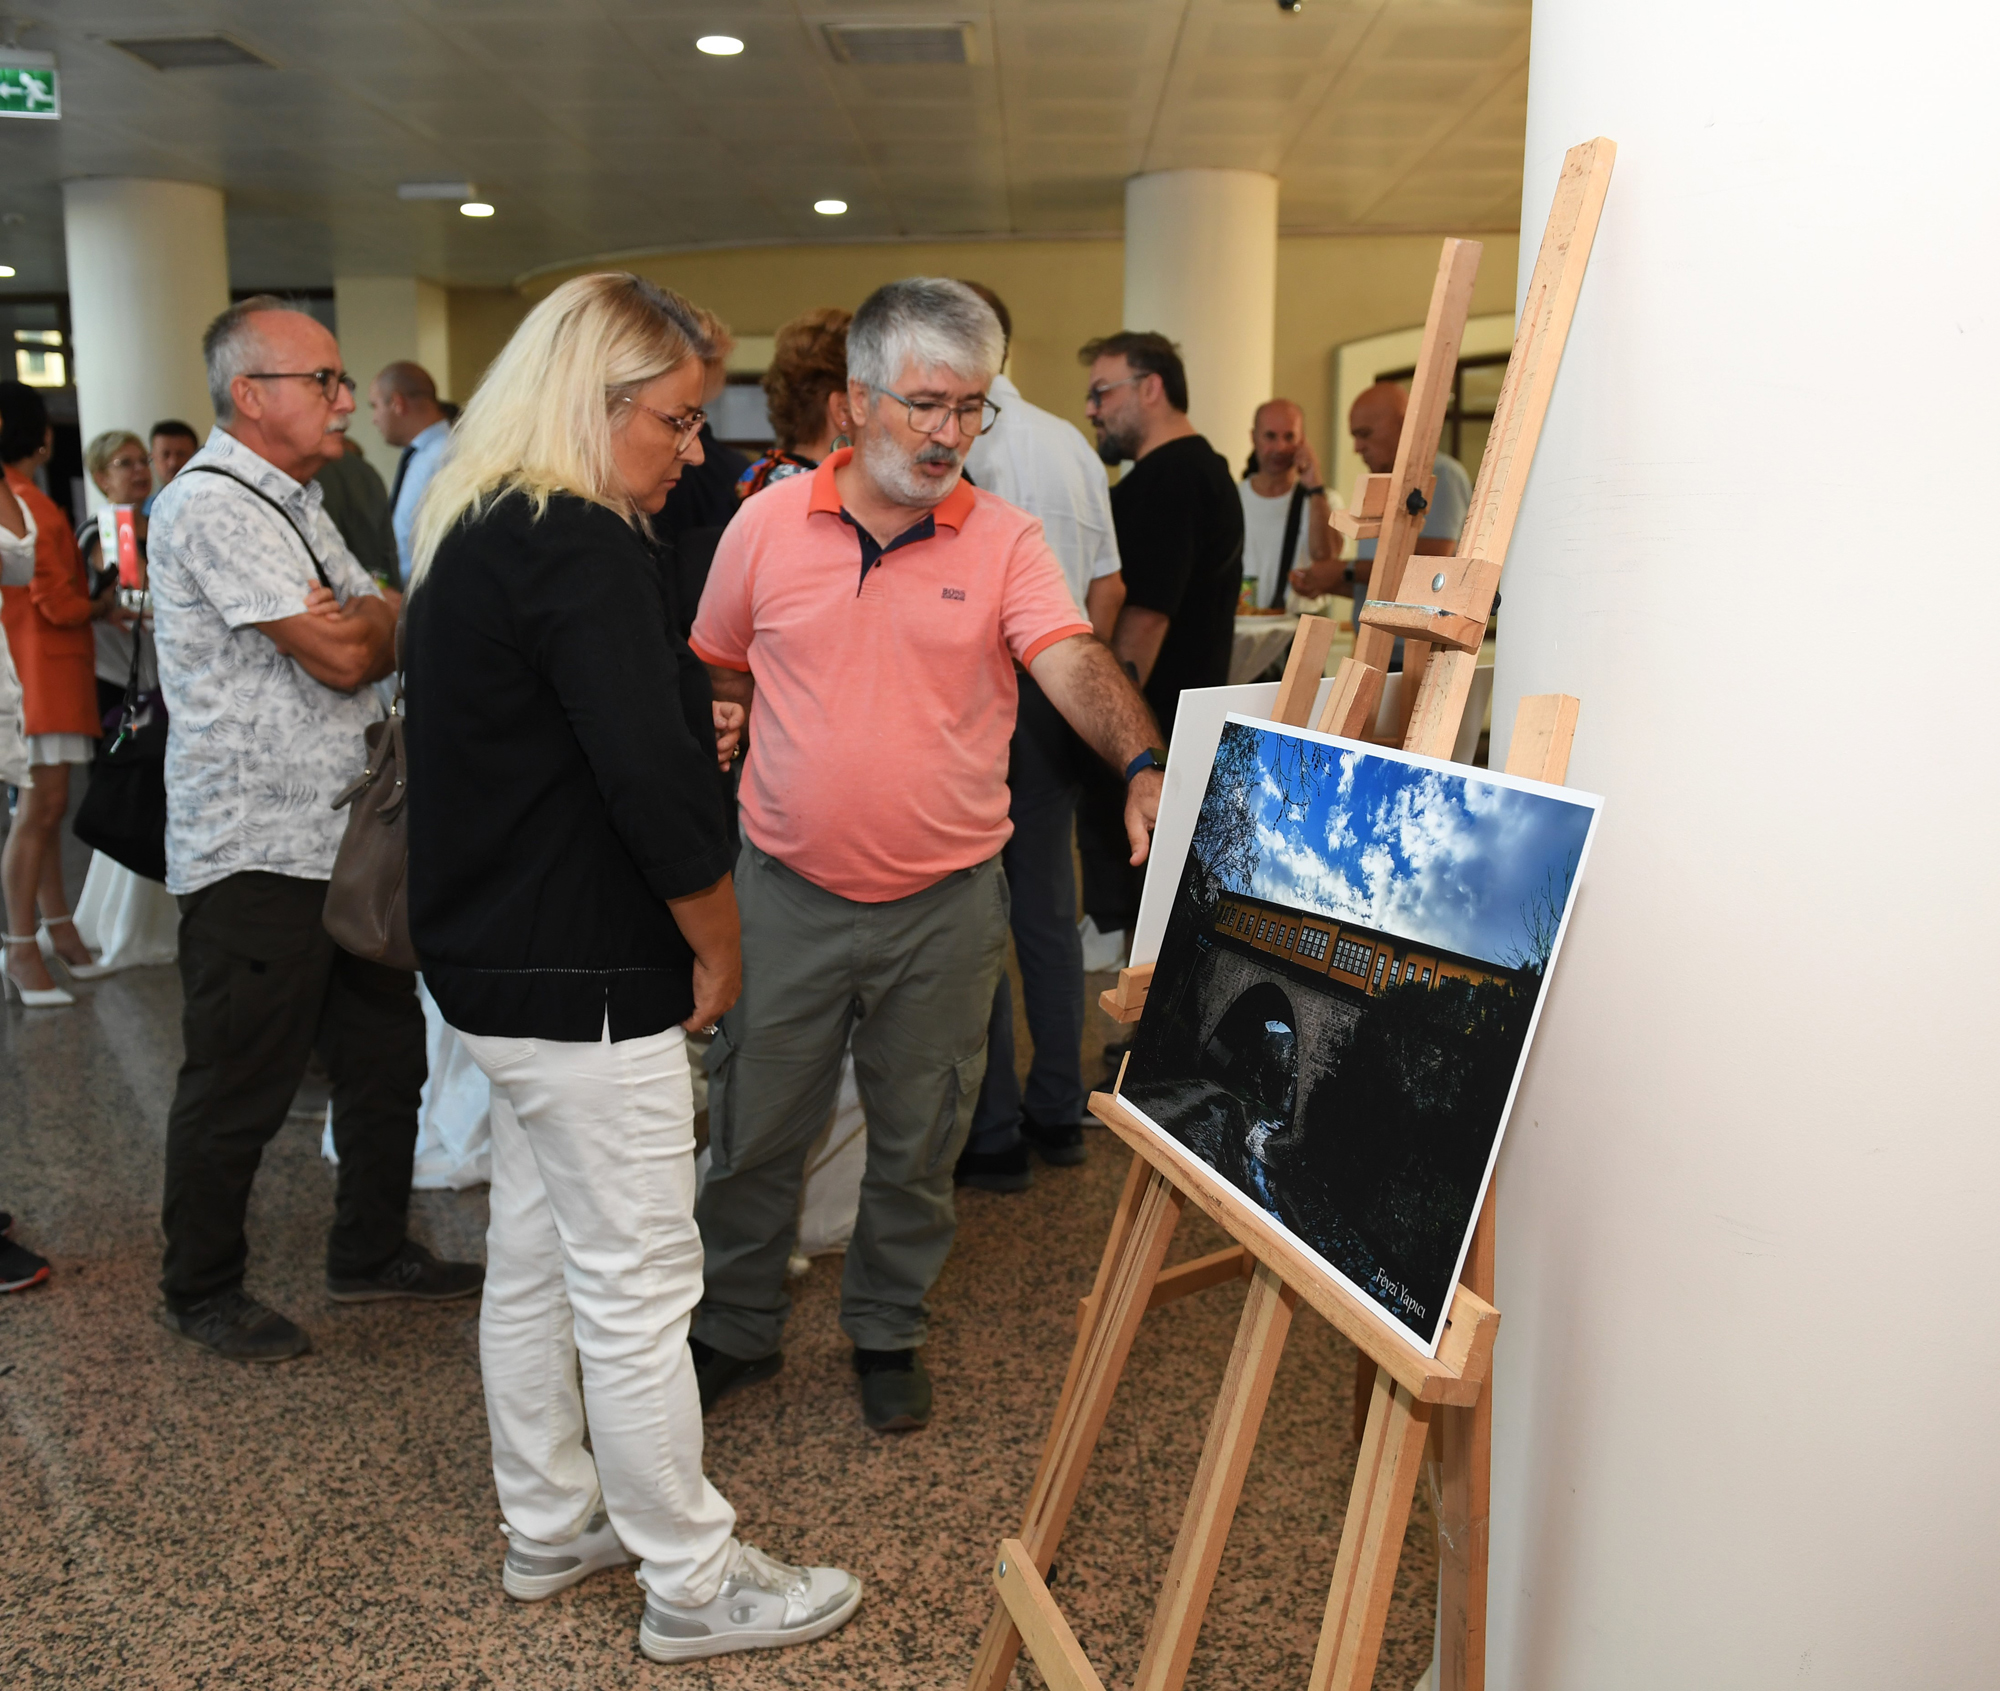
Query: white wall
[[148, 266], [383, 319], [1745, 1409]]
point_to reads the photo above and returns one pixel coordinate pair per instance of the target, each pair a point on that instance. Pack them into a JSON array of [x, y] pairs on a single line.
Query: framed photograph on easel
[[1358, 949]]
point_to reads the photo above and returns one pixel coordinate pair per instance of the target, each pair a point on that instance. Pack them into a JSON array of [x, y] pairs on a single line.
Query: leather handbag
[[124, 810], [367, 899]]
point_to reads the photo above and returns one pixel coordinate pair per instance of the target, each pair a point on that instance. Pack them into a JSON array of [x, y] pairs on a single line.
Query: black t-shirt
[[1180, 549]]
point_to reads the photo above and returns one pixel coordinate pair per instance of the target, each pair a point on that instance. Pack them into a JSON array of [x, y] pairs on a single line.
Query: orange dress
[[48, 626]]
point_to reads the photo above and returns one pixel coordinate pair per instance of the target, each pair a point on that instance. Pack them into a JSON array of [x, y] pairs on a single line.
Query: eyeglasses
[[128, 464], [685, 427], [1093, 396], [330, 381], [975, 416]]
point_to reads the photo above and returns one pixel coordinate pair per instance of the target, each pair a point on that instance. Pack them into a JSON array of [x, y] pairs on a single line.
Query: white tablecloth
[[127, 920]]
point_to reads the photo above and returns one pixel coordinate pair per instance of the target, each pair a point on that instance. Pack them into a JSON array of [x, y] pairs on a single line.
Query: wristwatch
[[1315, 493], [1151, 758]]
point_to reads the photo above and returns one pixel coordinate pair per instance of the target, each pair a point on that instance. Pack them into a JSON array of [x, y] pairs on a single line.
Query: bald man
[[403, 405], [1285, 518], [1375, 421]]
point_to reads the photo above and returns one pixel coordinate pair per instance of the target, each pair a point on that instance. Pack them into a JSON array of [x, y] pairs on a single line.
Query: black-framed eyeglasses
[[1093, 396], [330, 381], [685, 427], [927, 416]]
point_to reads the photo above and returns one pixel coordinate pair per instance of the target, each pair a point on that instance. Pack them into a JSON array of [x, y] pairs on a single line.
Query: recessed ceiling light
[[829, 208], [6, 270], [722, 46], [475, 208]]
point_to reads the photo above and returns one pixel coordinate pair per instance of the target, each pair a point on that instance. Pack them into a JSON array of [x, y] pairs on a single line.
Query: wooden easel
[[1440, 607]]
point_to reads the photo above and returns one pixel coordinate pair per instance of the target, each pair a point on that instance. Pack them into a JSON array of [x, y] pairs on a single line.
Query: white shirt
[[426, 453], [1033, 459], [1264, 534], [17, 569], [256, 748]]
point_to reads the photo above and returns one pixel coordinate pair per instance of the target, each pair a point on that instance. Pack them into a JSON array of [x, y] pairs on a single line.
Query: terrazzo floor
[[174, 1521]]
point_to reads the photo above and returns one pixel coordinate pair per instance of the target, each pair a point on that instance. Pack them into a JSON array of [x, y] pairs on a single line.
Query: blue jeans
[[1043, 780]]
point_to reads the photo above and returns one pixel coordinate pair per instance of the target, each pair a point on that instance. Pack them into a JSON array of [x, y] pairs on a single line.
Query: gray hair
[[928, 320], [231, 347]]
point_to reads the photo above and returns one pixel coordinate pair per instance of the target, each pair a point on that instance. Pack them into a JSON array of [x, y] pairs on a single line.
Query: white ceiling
[[595, 126]]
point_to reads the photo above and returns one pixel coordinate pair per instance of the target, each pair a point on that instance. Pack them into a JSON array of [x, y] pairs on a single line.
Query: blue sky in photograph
[[1438, 858]]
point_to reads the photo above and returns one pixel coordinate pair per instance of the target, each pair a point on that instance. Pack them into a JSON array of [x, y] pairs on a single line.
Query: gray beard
[[896, 473]]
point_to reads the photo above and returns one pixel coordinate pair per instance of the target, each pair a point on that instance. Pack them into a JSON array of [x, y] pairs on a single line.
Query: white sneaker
[[534, 1570], [764, 1604]]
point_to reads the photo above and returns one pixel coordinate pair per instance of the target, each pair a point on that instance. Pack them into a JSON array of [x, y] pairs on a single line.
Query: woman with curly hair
[[805, 391]]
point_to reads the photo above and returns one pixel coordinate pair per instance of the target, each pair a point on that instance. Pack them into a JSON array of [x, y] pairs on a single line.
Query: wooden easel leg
[[1218, 1482], [1125, 1288], [1371, 1539], [1468, 1486], [1087, 1306]]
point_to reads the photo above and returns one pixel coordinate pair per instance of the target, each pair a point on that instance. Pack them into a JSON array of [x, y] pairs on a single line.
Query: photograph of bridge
[[1350, 976]]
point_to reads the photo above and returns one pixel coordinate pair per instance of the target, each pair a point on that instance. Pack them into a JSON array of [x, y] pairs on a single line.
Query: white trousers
[[592, 1251]]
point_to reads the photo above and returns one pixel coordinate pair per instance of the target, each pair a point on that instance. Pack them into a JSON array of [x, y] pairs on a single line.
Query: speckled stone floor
[[168, 1521]]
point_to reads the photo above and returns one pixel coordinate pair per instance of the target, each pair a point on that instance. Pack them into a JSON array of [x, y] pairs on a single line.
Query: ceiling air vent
[[899, 44], [190, 52]]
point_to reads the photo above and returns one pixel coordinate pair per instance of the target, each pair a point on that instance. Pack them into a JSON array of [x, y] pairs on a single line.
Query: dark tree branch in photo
[[1541, 918]]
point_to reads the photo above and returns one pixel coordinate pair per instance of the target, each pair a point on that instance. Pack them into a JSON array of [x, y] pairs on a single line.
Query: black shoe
[[411, 1273], [718, 1374], [236, 1325], [895, 1389], [1062, 1146], [994, 1171], [20, 1268]]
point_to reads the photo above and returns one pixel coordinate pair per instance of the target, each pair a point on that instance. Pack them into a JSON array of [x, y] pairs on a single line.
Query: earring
[[840, 441]]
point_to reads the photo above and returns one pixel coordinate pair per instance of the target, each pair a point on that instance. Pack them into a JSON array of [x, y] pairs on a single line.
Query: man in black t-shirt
[[1180, 545]]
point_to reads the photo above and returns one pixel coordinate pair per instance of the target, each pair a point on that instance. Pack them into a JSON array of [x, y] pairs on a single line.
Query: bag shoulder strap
[[319, 569], [1294, 517]]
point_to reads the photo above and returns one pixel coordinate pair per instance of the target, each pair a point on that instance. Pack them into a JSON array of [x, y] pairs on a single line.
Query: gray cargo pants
[[912, 981]]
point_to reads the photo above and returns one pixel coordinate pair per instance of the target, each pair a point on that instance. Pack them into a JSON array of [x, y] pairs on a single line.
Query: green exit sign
[[28, 85]]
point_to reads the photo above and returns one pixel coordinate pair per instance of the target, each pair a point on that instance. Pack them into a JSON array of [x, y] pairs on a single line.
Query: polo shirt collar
[[951, 512]]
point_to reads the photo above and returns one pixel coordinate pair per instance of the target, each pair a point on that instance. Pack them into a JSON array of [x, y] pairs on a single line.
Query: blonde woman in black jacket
[[570, 847]]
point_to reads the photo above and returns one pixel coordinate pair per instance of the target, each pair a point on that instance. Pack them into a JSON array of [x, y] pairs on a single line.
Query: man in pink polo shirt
[[871, 615]]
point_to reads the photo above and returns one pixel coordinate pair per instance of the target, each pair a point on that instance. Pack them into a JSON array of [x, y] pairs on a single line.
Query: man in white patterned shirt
[[268, 632]]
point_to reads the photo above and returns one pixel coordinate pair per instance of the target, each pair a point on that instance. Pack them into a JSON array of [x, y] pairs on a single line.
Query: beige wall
[[383, 319], [1331, 289], [481, 319]]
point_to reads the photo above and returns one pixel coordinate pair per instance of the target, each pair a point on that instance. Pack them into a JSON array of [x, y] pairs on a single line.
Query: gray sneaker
[[764, 1604], [534, 1570]]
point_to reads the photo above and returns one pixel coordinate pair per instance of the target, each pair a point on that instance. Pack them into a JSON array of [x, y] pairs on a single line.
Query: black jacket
[[562, 778]]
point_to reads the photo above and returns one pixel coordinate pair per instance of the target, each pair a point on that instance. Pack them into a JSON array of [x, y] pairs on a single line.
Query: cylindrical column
[[148, 271], [1201, 266], [1746, 1375]]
